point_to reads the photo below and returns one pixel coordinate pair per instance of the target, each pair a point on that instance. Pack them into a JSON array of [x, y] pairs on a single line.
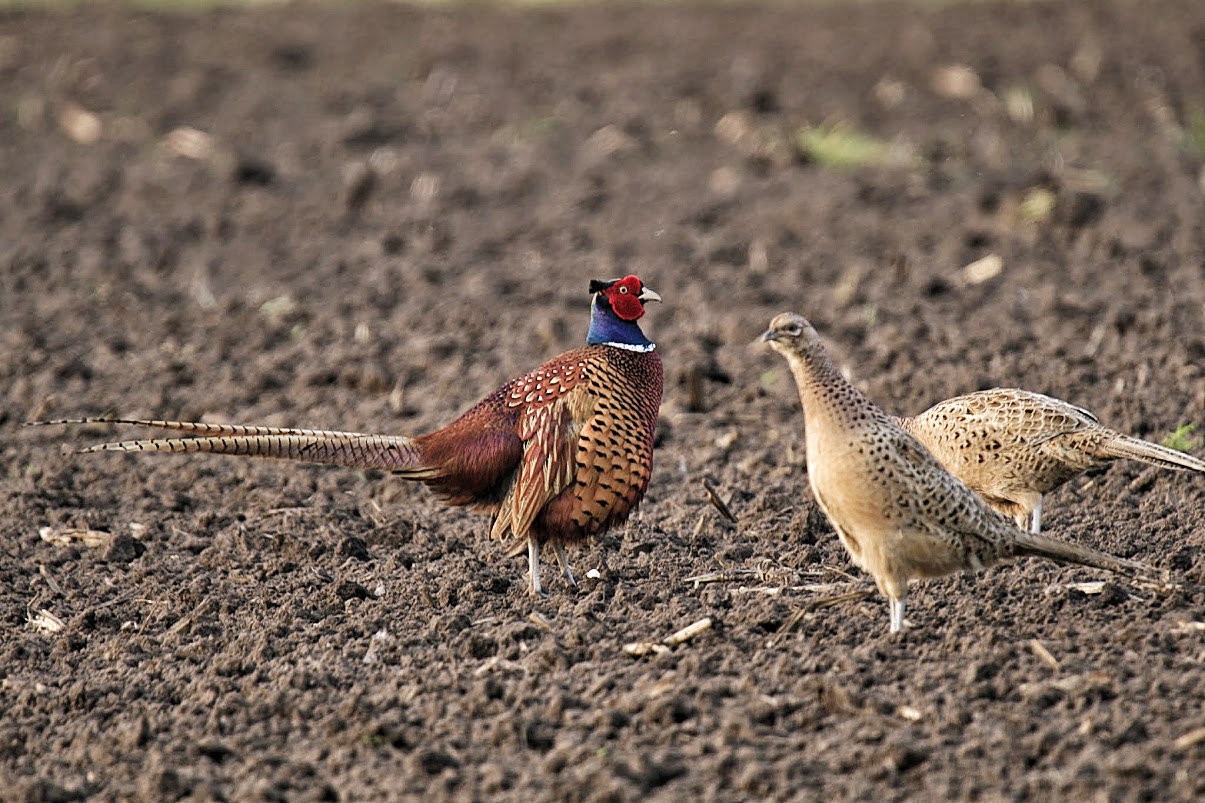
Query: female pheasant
[[555, 456], [1012, 446], [897, 511]]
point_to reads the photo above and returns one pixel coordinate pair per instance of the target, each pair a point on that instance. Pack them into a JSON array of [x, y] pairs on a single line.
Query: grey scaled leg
[[897, 614], [533, 562], [1035, 517], [559, 551]]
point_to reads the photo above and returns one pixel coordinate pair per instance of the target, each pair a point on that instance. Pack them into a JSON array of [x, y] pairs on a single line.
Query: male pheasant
[[555, 456], [1012, 446], [899, 514]]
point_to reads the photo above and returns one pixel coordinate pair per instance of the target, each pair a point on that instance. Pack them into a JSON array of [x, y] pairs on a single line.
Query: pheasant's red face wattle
[[624, 296]]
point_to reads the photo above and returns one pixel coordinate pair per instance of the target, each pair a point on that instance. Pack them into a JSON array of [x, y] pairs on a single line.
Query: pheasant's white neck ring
[[643, 349]]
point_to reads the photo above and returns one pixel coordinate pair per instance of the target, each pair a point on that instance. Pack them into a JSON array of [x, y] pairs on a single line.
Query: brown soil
[[398, 209]]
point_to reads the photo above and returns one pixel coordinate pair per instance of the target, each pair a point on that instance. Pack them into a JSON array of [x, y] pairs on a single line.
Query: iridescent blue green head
[[618, 305]]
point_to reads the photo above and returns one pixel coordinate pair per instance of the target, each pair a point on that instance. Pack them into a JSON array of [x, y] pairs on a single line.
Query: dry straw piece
[[73, 535], [45, 620], [689, 632], [714, 496], [642, 648], [1044, 655]]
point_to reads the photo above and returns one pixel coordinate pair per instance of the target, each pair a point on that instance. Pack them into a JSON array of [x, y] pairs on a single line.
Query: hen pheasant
[[555, 456], [1012, 446], [899, 514]]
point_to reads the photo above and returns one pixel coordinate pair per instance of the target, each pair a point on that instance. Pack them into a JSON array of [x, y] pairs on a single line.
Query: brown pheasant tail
[[349, 449], [1123, 446], [1064, 552]]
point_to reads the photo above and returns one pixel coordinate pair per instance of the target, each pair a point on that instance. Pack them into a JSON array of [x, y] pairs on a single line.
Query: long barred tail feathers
[[1064, 552], [350, 449], [1152, 453]]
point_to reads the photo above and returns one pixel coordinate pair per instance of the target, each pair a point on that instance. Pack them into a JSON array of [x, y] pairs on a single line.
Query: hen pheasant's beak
[[648, 294], [768, 336]]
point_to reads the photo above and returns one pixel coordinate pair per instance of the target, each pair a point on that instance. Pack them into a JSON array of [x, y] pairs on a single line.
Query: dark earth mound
[[367, 218]]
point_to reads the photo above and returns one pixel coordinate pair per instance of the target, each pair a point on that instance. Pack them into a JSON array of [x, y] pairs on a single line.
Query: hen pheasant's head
[[790, 333], [625, 297], [618, 304]]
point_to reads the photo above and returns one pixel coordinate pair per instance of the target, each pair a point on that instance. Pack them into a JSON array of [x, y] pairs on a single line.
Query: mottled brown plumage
[[898, 512], [1012, 446], [555, 456]]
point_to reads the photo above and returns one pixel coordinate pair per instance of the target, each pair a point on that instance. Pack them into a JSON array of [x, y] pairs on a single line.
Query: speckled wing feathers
[[932, 525], [551, 407], [1012, 446]]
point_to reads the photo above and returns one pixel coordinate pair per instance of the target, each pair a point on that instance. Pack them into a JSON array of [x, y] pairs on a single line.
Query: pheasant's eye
[[623, 289]]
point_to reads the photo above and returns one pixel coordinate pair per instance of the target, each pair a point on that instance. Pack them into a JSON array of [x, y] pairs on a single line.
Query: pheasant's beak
[[768, 336], [647, 294]]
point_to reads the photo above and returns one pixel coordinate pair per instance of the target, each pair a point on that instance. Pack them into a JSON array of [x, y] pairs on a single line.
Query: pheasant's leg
[[559, 550], [533, 562], [1035, 517], [897, 614]]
